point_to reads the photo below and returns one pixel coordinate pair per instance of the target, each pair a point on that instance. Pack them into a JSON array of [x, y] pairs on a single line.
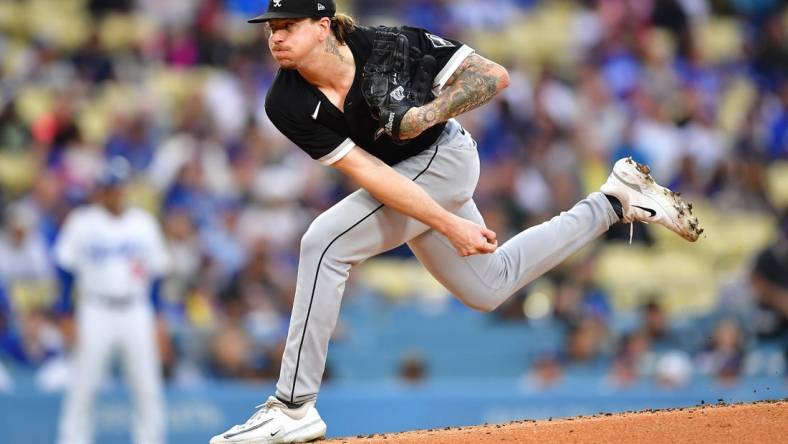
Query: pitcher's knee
[[317, 240], [317, 237]]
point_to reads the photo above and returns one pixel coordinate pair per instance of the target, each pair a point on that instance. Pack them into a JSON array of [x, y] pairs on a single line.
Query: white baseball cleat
[[275, 423], [644, 200]]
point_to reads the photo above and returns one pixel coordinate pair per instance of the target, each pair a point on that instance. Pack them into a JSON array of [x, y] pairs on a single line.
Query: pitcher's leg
[[483, 282], [350, 232], [355, 229]]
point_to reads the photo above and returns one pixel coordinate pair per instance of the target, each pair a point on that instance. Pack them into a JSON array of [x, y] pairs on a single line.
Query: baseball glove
[[389, 83]]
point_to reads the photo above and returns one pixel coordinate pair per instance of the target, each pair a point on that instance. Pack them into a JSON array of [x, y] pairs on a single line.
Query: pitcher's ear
[[325, 27]]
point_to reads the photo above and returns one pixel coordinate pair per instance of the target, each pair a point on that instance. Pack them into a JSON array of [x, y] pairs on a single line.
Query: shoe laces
[[632, 230], [262, 410]]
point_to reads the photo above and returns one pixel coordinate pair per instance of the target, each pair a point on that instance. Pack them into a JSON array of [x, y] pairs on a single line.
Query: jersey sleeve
[[448, 53], [320, 142], [67, 244]]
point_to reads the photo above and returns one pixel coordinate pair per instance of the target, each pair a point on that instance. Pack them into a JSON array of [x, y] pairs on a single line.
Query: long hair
[[342, 25]]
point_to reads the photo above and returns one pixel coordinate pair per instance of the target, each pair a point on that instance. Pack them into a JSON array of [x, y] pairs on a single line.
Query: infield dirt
[[762, 422]]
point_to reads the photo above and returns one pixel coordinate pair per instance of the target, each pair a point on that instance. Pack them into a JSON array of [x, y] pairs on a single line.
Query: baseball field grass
[[761, 422]]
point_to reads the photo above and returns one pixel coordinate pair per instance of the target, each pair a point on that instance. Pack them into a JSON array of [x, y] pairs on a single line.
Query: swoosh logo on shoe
[[276, 432], [651, 212], [629, 184], [230, 435]]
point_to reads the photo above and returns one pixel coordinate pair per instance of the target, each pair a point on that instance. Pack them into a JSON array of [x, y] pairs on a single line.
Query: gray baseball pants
[[360, 227]]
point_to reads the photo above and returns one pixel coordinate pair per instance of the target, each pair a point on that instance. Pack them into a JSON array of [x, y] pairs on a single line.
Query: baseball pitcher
[[377, 103], [115, 254]]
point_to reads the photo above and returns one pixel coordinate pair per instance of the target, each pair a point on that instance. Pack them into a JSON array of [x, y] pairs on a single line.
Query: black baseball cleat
[[644, 200]]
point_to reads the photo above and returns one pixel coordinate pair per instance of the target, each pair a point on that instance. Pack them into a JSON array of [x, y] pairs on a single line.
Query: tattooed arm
[[475, 82]]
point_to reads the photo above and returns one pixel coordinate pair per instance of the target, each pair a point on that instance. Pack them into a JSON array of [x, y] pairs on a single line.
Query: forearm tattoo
[[332, 48], [474, 83]]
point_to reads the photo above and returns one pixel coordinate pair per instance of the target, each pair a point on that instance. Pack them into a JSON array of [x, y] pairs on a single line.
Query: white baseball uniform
[[114, 260]]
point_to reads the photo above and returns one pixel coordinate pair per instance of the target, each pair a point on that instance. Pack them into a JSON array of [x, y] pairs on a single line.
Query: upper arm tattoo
[[460, 69], [474, 83]]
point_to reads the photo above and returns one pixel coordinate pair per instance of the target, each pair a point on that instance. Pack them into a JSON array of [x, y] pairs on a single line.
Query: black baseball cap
[[279, 9]]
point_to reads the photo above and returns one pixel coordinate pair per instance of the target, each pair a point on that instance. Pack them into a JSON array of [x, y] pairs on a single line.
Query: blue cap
[[116, 172]]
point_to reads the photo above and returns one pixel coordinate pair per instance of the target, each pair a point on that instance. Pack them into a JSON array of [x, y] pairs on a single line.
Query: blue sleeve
[[11, 346], [10, 342], [5, 305], [155, 295], [64, 304]]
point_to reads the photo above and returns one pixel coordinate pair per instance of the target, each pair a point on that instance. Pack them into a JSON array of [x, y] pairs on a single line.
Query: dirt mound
[[763, 422]]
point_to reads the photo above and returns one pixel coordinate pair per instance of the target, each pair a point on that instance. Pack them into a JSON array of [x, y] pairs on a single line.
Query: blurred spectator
[[170, 13], [231, 354], [9, 340], [40, 338], [545, 372], [14, 133], [770, 286], [657, 137], [30, 338], [100, 7], [673, 369], [656, 324], [777, 129], [184, 249], [224, 98], [92, 63], [607, 129], [214, 46], [723, 356], [770, 58], [704, 144], [586, 344], [577, 297], [45, 200], [262, 297], [6, 382], [131, 139], [236, 355], [413, 369], [631, 358], [431, 14], [25, 267], [741, 184]]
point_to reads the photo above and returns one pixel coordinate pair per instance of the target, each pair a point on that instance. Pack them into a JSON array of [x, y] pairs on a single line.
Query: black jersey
[[305, 116]]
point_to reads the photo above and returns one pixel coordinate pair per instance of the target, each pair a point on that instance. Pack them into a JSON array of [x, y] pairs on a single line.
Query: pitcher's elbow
[[503, 78]]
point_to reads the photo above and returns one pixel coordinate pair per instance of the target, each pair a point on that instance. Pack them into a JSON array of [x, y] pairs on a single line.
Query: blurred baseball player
[[115, 254], [378, 105]]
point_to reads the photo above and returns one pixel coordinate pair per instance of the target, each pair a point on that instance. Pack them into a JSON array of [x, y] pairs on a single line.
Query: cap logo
[[320, 7], [277, 3]]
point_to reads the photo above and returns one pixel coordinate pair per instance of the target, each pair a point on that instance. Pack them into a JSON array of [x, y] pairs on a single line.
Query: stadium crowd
[[698, 89]]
